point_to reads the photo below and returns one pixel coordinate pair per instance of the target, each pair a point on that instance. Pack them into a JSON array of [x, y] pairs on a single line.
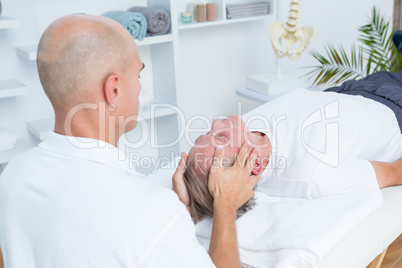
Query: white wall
[[214, 61]]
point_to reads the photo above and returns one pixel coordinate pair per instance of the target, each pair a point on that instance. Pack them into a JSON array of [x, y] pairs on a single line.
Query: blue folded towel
[[135, 23], [158, 19]]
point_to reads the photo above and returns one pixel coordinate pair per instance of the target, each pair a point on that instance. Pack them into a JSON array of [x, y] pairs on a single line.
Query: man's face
[[132, 88], [230, 133]]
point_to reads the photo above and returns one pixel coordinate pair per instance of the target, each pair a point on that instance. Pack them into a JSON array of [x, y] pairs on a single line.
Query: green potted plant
[[375, 53]]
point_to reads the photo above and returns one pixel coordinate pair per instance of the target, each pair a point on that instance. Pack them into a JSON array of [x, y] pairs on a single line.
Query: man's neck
[[85, 128]]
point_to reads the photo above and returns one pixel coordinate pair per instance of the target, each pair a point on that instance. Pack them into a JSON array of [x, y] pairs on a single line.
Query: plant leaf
[[377, 41], [376, 53], [335, 67]]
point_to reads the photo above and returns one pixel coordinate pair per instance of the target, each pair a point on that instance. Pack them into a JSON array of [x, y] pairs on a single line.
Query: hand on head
[[233, 186], [237, 141]]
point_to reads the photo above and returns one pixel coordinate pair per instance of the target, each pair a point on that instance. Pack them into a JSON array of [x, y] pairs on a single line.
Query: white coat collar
[[86, 148]]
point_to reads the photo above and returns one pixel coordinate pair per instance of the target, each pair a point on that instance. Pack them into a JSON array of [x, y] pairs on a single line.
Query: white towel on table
[[295, 232]]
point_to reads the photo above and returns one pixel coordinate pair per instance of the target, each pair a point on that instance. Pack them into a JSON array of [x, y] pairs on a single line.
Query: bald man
[[70, 202]]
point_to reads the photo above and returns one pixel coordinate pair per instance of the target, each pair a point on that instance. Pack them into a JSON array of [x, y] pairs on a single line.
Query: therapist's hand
[[233, 186], [178, 182]]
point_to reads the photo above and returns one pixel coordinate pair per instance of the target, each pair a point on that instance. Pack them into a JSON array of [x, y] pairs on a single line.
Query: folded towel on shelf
[[158, 19], [135, 23], [249, 3], [236, 11], [248, 9], [235, 7], [246, 14], [296, 232]]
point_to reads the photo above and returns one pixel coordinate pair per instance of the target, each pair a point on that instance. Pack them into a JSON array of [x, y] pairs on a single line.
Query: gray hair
[[201, 200]]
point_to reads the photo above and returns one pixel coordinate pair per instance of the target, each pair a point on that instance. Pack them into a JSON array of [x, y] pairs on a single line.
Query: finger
[[254, 179], [184, 157], [243, 155], [251, 160], [252, 194], [181, 168], [217, 160], [183, 162]]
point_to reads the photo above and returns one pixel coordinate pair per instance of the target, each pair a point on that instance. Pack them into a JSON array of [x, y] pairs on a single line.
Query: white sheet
[[293, 232], [370, 237]]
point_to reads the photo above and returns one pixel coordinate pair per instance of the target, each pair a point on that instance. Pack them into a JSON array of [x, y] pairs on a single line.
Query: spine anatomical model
[[290, 34]]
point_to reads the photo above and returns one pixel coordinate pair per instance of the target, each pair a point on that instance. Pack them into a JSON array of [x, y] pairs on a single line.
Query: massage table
[[371, 237], [362, 245]]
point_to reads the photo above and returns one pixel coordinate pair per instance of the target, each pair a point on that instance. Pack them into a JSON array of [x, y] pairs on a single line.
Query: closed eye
[[221, 138], [222, 133]]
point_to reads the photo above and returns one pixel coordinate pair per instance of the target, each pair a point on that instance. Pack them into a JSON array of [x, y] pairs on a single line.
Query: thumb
[[254, 179], [183, 162], [184, 156], [251, 161], [181, 168]]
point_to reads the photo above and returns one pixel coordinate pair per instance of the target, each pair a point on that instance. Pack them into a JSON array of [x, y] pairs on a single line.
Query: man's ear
[[111, 89], [257, 169]]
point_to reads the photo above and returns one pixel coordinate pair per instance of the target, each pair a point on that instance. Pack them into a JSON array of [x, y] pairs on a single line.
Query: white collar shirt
[[65, 206]]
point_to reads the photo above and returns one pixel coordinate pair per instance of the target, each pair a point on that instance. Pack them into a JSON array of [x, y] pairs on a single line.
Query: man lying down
[[309, 145]]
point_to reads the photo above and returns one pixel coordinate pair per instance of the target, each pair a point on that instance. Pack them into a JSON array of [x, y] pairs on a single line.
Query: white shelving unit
[[11, 88], [146, 113], [29, 52], [263, 98], [219, 22], [8, 22], [155, 40], [21, 146], [253, 95], [40, 128], [220, 10]]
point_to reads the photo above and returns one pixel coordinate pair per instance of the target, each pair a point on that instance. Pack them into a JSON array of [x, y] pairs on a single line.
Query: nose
[[217, 124]]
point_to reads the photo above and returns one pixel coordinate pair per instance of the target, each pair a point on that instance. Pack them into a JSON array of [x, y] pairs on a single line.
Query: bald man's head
[[76, 54]]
